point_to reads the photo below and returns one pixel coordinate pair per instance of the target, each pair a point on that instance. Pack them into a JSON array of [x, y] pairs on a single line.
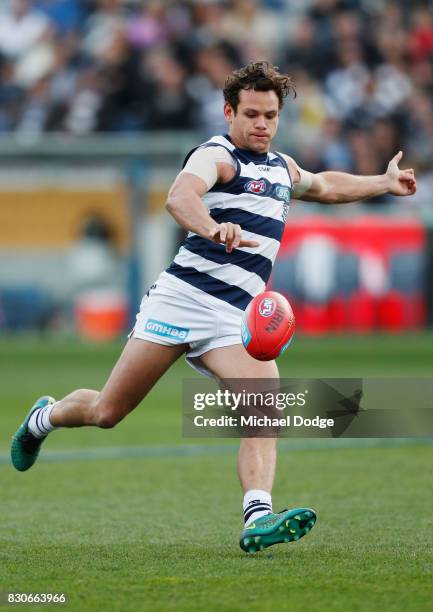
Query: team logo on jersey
[[167, 330], [256, 186], [267, 307], [282, 192]]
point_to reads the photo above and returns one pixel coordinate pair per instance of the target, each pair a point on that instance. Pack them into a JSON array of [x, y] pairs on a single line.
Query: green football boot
[[286, 526], [25, 447]]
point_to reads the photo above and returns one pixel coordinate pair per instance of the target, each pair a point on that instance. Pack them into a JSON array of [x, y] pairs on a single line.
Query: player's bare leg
[[257, 462], [139, 367], [257, 456]]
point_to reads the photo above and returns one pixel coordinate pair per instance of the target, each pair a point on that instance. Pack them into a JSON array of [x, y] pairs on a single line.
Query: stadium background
[[99, 102]]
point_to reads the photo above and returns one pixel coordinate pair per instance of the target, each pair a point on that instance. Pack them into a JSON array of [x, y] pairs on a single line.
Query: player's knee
[[106, 417], [106, 421]]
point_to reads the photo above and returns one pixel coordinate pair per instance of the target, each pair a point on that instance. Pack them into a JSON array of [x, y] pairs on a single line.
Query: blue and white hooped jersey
[[257, 198]]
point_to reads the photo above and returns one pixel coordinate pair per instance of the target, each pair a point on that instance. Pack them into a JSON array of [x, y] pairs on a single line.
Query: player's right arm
[[185, 202]]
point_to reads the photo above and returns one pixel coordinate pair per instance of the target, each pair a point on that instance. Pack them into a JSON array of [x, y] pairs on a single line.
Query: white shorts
[[174, 312]]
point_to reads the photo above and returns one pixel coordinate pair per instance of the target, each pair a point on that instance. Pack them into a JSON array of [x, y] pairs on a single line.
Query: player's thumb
[[397, 157]]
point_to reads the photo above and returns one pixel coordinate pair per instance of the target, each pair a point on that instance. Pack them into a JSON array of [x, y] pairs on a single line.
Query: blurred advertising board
[[357, 274]]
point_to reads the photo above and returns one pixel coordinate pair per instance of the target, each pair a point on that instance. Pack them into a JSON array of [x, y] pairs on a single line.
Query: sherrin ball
[[268, 325]]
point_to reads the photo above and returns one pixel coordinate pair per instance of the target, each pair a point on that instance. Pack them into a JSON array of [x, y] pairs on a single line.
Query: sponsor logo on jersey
[[263, 168], [256, 186], [282, 192], [159, 328], [267, 307]]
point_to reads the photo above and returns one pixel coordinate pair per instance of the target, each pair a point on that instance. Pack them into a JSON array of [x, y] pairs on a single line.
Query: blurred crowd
[[363, 69]]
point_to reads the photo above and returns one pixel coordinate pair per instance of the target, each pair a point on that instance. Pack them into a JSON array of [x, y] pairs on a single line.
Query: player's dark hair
[[260, 76]]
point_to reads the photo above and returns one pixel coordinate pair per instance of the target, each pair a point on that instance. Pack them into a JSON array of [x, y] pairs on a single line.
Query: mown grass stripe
[[194, 450]]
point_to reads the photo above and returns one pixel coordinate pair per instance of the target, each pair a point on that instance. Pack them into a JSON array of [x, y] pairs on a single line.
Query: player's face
[[256, 120]]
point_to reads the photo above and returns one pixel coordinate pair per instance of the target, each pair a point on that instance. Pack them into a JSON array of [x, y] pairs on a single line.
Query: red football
[[268, 325]]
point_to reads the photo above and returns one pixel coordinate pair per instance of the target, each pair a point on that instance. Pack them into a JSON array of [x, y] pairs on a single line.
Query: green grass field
[[151, 521]]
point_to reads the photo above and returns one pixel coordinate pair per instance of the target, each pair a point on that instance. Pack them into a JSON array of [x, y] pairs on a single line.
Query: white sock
[[257, 503], [40, 424]]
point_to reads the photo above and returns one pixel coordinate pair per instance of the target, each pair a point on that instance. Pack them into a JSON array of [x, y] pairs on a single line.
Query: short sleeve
[[203, 163]]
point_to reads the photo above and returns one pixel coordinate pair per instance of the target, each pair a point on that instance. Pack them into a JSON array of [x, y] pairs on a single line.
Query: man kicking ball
[[232, 197]]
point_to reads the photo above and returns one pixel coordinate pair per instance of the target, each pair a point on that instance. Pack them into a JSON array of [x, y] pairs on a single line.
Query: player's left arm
[[340, 187]]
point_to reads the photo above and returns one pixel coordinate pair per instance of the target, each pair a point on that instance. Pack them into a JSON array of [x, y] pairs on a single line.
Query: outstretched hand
[[401, 182], [230, 234]]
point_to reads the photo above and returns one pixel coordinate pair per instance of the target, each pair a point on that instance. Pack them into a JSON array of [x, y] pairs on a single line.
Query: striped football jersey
[[257, 198]]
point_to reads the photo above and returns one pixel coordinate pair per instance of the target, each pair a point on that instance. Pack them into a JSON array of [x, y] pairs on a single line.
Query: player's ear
[[228, 112]]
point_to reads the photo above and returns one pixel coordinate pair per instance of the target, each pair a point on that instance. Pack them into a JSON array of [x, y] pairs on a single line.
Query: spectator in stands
[[257, 32], [171, 106], [10, 96], [102, 26], [65, 15], [149, 27], [347, 86], [212, 66], [125, 87], [21, 29], [93, 261], [34, 111], [363, 69], [304, 51]]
